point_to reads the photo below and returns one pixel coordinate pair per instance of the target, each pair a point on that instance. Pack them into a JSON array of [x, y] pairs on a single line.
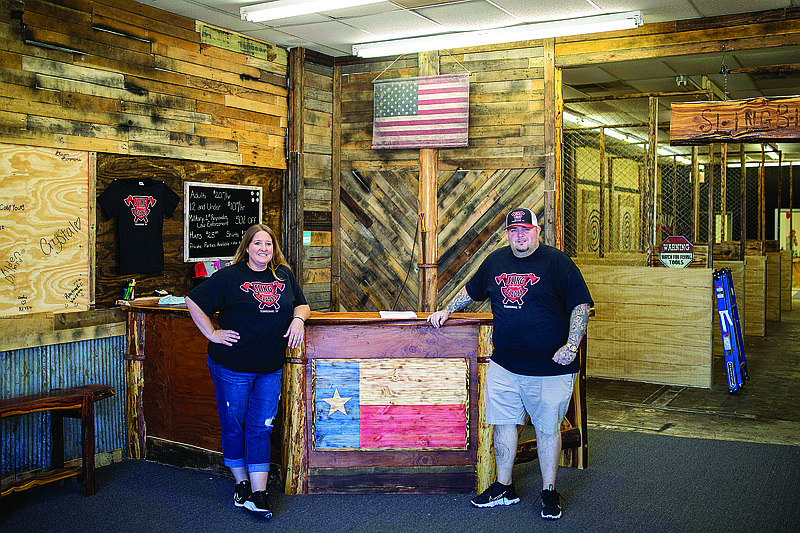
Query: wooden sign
[[44, 230], [754, 120]]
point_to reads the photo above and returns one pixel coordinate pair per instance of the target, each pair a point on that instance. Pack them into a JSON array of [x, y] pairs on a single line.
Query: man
[[540, 307]]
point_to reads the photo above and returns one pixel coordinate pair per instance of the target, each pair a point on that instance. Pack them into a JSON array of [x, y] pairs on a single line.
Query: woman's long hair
[[277, 256]]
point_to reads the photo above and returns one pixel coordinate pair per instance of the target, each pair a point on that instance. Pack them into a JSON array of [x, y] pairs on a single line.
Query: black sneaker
[[258, 502], [241, 493], [551, 510], [496, 494]]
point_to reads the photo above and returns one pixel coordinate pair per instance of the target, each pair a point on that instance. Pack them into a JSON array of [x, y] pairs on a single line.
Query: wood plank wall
[[317, 184], [650, 324], [755, 287], [773, 311], [786, 280], [502, 168], [121, 77], [177, 276]]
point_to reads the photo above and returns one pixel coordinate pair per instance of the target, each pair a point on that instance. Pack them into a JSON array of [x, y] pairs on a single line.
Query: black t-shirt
[[140, 206], [532, 299], [258, 307]]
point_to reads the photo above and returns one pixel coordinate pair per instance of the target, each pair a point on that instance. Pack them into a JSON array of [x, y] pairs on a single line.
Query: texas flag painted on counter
[[389, 403]]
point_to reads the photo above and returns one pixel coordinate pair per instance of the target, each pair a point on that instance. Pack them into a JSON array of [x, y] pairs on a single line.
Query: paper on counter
[[398, 315]]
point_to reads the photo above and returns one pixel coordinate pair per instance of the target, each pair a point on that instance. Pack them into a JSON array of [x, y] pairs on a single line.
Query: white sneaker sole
[[495, 503], [263, 513]]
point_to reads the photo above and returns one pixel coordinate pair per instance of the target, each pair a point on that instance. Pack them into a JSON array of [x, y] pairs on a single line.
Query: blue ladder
[[732, 344]]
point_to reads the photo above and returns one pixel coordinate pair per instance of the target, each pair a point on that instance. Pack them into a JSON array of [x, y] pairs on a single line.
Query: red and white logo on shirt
[[514, 286], [267, 294], [140, 207]]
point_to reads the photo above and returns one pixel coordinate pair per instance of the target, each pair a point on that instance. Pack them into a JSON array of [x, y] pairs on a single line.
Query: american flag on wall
[[423, 112]]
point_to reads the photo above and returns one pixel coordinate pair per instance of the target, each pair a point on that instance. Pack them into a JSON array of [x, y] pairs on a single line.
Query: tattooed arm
[[461, 300], [577, 329]]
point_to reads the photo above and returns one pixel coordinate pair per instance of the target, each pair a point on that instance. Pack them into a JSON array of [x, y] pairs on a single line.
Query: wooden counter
[[368, 404]]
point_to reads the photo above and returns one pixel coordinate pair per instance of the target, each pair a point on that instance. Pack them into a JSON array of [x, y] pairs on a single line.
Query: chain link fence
[[617, 211]]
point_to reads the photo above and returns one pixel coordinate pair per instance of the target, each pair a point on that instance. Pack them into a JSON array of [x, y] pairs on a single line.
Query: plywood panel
[[650, 324], [773, 310], [755, 290], [786, 280], [44, 230]]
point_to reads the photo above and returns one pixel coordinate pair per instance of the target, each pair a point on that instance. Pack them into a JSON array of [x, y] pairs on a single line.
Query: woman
[[261, 311]]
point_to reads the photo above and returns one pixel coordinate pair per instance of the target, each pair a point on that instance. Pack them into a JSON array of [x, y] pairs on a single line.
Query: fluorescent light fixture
[[281, 9], [521, 32]]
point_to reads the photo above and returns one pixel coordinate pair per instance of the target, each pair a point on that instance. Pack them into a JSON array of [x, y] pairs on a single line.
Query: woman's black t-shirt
[[532, 299], [258, 307]]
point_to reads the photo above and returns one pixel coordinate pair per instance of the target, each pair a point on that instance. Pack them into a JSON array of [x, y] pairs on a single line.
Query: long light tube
[[522, 32], [281, 9]]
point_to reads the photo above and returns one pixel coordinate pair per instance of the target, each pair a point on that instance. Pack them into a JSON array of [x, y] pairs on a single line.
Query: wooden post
[[723, 177], [761, 229], [336, 160], [695, 193], [486, 468], [710, 183], [558, 155], [293, 198], [743, 229], [428, 207], [780, 180], [674, 195], [791, 212], [652, 170], [550, 142], [295, 445], [134, 377], [610, 188], [600, 244]]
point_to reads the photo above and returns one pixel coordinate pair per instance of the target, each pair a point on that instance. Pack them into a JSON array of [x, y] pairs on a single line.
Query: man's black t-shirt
[[258, 307], [140, 206], [532, 299]]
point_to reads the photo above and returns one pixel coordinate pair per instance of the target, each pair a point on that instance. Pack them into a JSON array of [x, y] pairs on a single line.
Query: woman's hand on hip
[[228, 337]]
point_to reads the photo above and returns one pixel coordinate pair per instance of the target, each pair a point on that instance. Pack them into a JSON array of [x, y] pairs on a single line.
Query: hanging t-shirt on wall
[[140, 206]]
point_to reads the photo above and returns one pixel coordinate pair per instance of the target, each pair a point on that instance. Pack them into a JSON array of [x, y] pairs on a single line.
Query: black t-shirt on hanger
[[139, 206]]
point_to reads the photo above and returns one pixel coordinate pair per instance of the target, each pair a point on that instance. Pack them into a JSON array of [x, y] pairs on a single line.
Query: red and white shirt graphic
[[267, 294], [514, 286], [140, 207]]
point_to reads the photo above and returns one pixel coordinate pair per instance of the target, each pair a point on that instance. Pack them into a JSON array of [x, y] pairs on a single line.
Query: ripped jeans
[[247, 405]]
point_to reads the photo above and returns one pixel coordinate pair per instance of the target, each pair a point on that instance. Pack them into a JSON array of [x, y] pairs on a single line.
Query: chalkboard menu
[[216, 216]]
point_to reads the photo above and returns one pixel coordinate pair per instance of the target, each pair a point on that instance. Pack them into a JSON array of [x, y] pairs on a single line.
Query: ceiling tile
[[470, 15], [393, 25], [544, 10], [713, 8], [639, 69], [361, 11]]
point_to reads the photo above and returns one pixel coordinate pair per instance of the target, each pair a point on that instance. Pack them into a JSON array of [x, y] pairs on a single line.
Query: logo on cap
[[521, 217]]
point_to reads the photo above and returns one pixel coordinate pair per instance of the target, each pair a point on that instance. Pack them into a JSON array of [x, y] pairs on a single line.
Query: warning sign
[[676, 252]]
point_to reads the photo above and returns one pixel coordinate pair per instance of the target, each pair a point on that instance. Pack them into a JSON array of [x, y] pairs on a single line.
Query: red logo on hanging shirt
[[140, 207], [514, 286], [267, 294]]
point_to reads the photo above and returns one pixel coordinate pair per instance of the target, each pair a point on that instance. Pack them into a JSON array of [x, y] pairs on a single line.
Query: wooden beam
[[336, 144], [549, 142], [743, 198], [710, 183], [293, 208], [723, 176], [558, 151], [603, 167], [428, 206], [695, 194]]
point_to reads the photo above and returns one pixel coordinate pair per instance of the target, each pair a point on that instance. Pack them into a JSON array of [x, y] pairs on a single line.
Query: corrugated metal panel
[[26, 439]]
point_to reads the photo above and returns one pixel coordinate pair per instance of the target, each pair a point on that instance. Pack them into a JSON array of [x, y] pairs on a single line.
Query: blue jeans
[[247, 405]]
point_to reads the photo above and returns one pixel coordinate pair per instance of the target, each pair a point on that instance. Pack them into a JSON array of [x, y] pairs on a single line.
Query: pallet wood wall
[[502, 168], [786, 280], [773, 310], [177, 276], [121, 77], [737, 275], [650, 324], [317, 184], [755, 290], [764, 29]]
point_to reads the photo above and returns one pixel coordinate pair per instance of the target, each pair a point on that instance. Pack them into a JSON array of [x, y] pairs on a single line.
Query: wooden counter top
[[151, 305]]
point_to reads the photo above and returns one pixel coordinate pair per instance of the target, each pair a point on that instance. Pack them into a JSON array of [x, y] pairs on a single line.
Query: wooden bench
[[75, 402]]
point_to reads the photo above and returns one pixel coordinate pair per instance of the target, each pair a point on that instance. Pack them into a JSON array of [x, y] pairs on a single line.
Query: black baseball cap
[[521, 217]]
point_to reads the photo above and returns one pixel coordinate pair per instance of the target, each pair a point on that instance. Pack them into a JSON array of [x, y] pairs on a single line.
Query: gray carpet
[[635, 482]]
